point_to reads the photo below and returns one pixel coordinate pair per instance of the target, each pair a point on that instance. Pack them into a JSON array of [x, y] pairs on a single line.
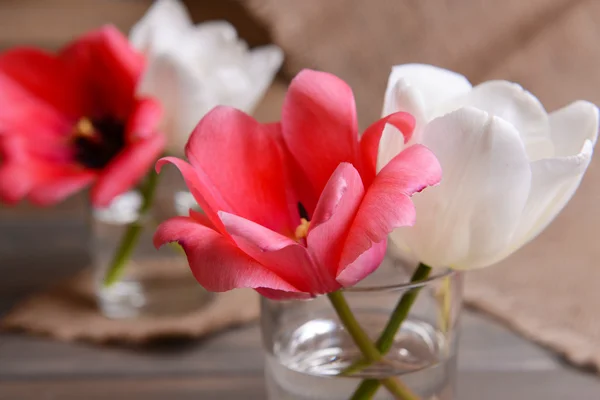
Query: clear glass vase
[[309, 352], [152, 282]]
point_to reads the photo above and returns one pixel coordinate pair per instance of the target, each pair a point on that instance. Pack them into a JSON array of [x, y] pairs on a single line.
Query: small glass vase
[[153, 283], [308, 351]]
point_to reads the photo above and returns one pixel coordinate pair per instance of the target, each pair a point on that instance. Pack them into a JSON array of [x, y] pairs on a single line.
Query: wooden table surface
[[37, 249]]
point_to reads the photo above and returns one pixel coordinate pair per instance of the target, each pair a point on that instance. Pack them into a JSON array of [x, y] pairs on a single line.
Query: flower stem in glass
[[133, 232], [366, 346], [369, 387]]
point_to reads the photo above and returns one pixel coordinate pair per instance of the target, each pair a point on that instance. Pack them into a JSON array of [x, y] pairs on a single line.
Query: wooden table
[[494, 363]]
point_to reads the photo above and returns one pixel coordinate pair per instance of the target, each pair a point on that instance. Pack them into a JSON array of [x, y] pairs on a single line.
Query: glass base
[[309, 357], [152, 289]]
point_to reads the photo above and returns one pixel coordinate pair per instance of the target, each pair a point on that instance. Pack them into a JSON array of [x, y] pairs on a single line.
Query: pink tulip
[[294, 209]]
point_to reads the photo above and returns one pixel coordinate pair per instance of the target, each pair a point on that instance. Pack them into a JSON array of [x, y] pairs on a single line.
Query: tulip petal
[[420, 88], [363, 266], [283, 256], [515, 105], [161, 26], [469, 218], [571, 126], [33, 94], [553, 183], [333, 217], [252, 178], [144, 119], [60, 185], [386, 206], [18, 171], [104, 63], [126, 169], [319, 124], [574, 131], [262, 65], [204, 192], [282, 295], [371, 138], [216, 261]]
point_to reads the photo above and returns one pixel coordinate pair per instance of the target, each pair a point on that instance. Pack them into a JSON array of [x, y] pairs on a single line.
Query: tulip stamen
[[84, 128], [302, 229], [96, 142]]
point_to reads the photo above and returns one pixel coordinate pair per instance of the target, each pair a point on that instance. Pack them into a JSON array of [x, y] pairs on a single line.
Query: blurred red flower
[[71, 119]]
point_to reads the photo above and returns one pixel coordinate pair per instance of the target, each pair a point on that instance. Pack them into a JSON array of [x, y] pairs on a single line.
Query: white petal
[[572, 125], [553, 183], [261, 66], [419, 88], [470, 217], [161, 26], [416, 89], [512, 103]]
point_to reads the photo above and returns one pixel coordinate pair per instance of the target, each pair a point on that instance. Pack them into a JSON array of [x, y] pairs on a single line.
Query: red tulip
[[294, 209], [72, 118]]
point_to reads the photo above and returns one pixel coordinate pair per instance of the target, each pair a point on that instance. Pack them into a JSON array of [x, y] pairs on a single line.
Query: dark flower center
[[97, 141]]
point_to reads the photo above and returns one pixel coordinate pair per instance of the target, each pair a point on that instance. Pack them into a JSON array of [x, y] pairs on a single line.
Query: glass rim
[[405, 286]]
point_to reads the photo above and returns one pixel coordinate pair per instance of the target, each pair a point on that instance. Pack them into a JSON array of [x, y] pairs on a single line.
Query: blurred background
[[549, 46]]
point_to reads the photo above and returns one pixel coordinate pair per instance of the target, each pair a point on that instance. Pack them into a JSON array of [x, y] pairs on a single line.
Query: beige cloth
[[68, 312], [550, 290], [549, 46]]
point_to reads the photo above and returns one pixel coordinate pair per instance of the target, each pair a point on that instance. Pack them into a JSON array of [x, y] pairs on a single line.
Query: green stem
[[369, 387], [386, 340], [366, 346], [366, 389], [132, 234]]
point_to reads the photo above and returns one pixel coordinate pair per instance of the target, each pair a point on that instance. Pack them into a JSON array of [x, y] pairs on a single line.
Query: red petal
[[107, 68], [60, 186], [333, 217], [386, 204], [18, 171], [319, 124], [281, 295], [144, 119], [216, 262], [369, 142], [35, 93], [202, 189], [281, 255], [299, 188], [242, 161], [126, 169]]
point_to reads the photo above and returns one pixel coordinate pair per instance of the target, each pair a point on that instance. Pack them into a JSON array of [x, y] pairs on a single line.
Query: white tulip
[[508, 166], [193, 68]]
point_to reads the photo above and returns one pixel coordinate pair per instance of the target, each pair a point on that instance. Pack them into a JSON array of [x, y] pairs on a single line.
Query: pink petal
[[35, 93], [144, 119], [363, 266], [107, 68], [369, 142], [299, 189], [216, 262], [126, 169], [202, 189], [333, 217], [281, 255], [387, 204], [19, 172], [319, 124], [60, 185], [281, 295], [242, 160]]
